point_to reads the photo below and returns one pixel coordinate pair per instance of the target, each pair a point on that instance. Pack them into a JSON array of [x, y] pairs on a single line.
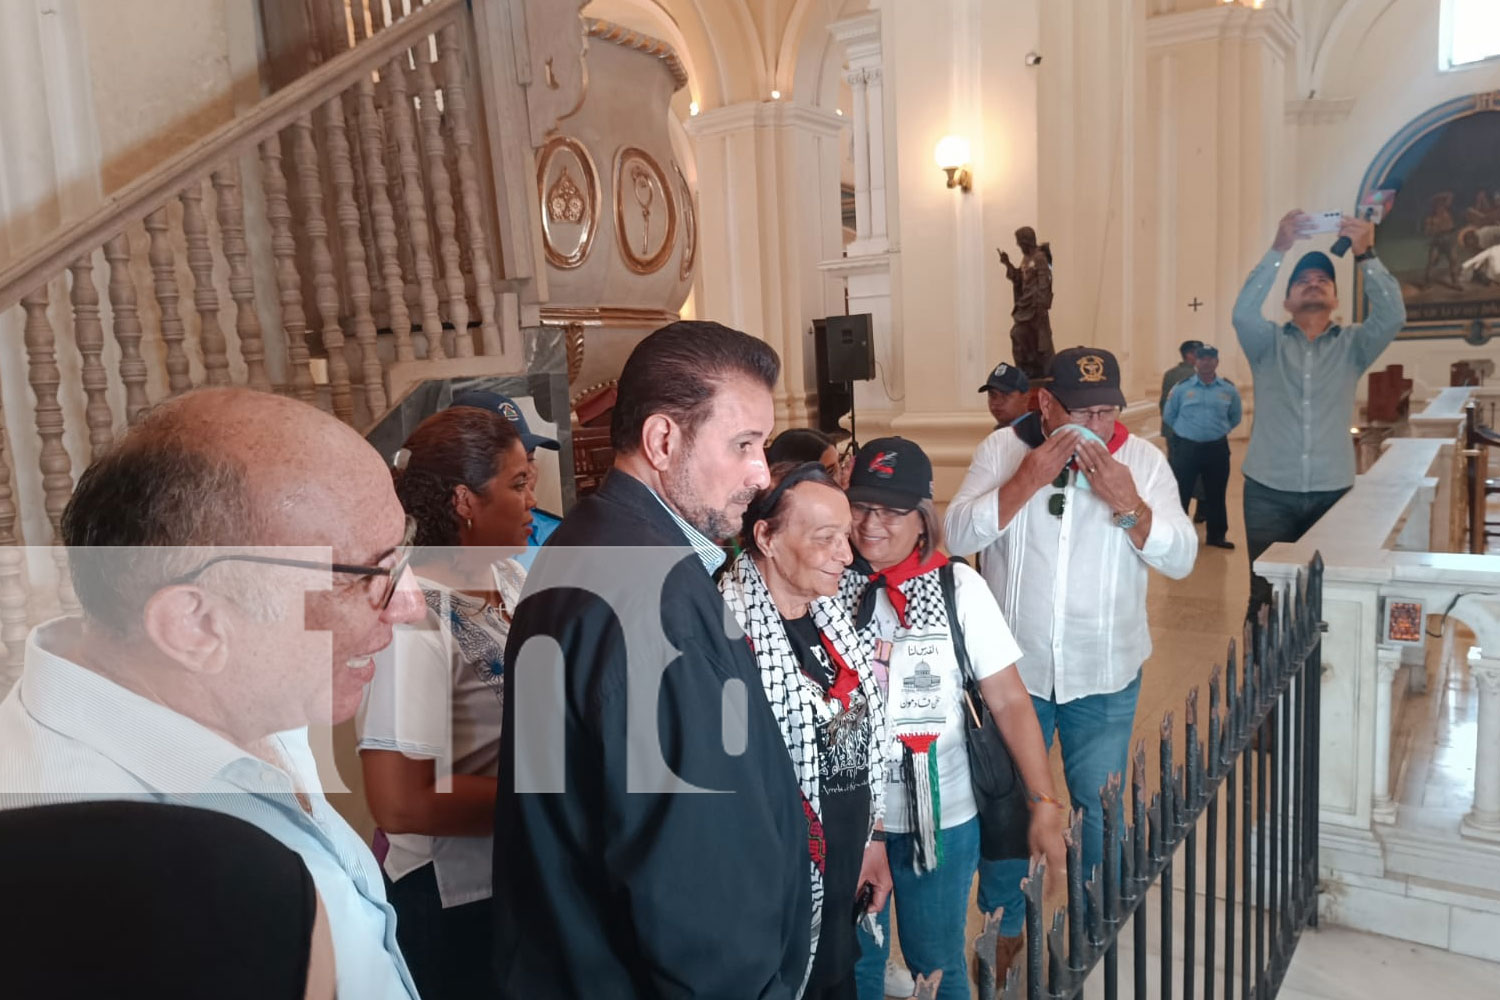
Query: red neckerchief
[[1115, 443], [891, 580], [845, 679]]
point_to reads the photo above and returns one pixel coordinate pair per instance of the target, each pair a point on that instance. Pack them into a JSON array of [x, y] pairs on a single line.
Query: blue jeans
[[1278, 516], [1095, 733], [931, 909]]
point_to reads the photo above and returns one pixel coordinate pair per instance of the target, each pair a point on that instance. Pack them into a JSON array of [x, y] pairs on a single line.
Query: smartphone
[[862, 901], [1322, 222]]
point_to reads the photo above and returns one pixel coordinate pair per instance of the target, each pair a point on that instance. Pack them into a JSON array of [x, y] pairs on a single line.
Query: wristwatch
[[1130, 518], [1367, 255]]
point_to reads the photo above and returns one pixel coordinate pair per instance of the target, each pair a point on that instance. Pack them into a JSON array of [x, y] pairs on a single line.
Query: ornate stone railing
[[1397, 858], [361, 193]]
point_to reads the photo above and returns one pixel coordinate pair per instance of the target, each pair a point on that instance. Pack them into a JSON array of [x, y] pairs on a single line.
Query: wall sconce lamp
[[952, 154]]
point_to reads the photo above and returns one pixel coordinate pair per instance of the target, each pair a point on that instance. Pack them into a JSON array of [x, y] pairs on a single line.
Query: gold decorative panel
[[645, 211], [568, 185], [689, 225]]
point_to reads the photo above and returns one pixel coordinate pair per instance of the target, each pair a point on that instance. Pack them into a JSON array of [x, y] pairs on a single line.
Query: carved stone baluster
[[442, 207], [288, 279], [356, 275], [127, 327], [231, 210], [56, 466], [325, 284], [456, 101], [416, 208], [200, 258], [88, 333], [14, 622], [382, 219], [164, 275]]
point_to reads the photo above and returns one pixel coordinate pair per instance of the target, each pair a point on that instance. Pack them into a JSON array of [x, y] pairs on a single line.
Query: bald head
[[216, 467]]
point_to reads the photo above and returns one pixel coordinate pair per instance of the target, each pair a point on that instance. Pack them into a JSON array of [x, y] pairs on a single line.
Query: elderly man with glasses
[[239, 558], [1070, 511]]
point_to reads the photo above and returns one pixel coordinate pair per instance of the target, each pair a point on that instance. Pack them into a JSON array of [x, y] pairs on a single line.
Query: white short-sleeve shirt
[[920, 665], [438, 695]]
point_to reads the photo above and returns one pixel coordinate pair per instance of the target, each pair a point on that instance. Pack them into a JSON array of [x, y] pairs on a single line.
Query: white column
[[861, 153], [875, 113], [768, 212], [860, 37], [1483, 821], [1387, 662]]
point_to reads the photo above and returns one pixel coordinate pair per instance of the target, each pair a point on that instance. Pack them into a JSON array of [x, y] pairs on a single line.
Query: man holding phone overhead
[[1305, 373]]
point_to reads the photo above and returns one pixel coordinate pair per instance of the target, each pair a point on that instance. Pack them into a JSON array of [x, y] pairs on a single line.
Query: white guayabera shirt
[[1073, 588]]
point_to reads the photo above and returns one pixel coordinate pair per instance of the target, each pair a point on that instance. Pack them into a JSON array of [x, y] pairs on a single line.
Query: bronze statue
[[1031, 283]]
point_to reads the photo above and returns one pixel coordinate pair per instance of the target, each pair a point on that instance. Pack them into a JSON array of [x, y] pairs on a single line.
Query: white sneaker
[[898, 981]]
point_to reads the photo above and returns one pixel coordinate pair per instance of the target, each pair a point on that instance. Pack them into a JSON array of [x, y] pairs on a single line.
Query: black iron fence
[[1255, 778]]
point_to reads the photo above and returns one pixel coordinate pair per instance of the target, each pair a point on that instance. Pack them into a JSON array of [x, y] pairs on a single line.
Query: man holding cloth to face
[[1071, 511]]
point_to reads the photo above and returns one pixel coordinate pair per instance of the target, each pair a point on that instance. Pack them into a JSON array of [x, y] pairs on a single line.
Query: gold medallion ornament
[[1091, 368], [564, 201]]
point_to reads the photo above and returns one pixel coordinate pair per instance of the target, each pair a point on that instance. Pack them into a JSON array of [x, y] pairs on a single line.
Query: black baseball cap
[[891, 471], [1086, 376], [1006, 378], [507, 408], [1313, 260], [1207, 351]]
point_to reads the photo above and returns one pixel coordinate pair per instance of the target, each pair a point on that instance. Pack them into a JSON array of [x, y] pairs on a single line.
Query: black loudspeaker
[[846, 349]]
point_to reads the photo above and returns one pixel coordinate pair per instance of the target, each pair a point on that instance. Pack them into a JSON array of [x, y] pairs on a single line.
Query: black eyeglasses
[[1058, 502], [380, 599], [884, 515]]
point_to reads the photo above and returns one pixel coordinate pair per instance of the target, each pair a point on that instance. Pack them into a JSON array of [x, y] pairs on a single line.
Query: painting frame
[[1441, 213]]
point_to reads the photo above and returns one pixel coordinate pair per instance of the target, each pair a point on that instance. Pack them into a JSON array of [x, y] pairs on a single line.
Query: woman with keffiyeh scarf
[[894, 591], [817, 678]]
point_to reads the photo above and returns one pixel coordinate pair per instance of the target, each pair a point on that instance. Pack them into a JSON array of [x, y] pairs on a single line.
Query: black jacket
[[604, 892]]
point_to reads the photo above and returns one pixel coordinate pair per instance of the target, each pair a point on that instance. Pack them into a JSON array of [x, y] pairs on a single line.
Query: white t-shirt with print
[[922, 665], [437, 695]]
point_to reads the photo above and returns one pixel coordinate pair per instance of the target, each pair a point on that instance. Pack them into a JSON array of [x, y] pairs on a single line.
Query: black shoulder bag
[[999, 792]]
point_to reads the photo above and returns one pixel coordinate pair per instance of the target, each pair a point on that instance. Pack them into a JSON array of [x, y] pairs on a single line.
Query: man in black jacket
[[650, 836]]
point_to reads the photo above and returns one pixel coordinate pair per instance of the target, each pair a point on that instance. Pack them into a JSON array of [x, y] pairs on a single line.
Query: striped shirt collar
[[708, 551]]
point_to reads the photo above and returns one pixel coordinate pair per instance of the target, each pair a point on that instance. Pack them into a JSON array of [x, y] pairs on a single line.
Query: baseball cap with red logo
[[893, 472]]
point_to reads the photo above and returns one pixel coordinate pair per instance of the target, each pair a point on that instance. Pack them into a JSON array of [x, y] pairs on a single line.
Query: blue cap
[[1006, 378], [507, 408]]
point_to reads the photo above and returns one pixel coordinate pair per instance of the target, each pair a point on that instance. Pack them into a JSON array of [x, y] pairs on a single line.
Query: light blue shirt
[[68, 733], [1200, 412], [1304, 389]]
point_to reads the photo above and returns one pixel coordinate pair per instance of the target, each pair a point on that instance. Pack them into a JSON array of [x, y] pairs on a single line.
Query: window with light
[[1470, 32]]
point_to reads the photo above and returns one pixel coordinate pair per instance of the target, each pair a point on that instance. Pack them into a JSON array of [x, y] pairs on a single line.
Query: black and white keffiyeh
[[795, 699]]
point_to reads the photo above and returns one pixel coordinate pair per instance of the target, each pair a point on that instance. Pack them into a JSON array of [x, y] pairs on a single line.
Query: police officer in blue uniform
[[1201, 411]]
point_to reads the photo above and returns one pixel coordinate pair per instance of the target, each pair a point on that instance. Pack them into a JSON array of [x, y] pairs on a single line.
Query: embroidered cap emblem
[[1091, 368], [883, 464], [509, 412]]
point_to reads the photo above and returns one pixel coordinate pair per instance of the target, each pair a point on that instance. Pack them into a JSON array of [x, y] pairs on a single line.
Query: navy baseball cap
[[507, 408], [1207, 351], [1313, 260], [1006, 378], [1086, 376]]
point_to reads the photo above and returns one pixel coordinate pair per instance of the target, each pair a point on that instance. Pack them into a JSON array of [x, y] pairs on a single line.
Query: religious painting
[[645, 211], [1441, 237], [569, 188]]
